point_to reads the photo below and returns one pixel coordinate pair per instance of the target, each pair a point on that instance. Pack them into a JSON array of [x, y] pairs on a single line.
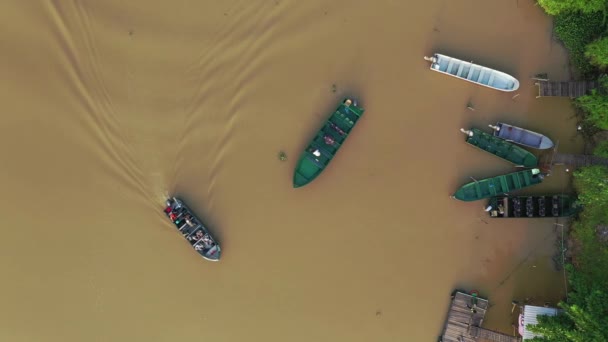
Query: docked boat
[[521, 136], [192, 229], [531, 206], [500, 148], [473, 73], [326, 143], [485, 188]]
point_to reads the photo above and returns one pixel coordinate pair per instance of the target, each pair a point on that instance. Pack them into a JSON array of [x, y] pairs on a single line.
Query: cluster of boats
[[505, 142]]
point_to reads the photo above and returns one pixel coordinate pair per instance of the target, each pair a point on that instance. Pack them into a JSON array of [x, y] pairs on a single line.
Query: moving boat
[[326, 142], [192, 229], [500, 148], [521, 136], [498, 185], [531, 206], [473, 73]]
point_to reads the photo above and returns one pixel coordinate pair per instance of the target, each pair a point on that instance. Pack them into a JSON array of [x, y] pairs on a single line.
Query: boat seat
[[460, 68], [481, 74], [450, 66], [472, 70], [491, 78]]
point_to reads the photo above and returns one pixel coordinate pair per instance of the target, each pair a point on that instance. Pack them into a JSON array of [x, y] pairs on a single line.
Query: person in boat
[[337, 129], [329, 140], [207, 239], [190, 220], [199, 235], [199, 247], [173, 216]]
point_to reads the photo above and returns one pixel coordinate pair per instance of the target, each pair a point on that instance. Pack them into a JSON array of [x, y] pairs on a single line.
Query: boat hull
[[498, 185], [192, 229], [326, 143], [531, 206], [500, 148], [521, 136], [473, 73]]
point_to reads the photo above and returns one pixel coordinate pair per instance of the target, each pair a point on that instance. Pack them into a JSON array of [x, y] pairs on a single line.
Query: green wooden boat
[[326, 142], [532, 206], [500, 148], [498, 185]]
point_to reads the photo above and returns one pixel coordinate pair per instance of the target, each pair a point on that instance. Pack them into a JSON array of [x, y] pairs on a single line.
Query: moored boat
[[500, 148], [192, 229], [531, 206], [326, 143], [485, 188], [521, 136], [473, 73]]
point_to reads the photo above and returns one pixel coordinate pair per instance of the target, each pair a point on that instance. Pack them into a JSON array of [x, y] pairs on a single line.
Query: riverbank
[[580, 26]]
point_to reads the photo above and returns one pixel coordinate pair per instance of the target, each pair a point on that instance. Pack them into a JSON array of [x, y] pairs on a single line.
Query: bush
[[597, 52], [556, 7], [595, 107], [576, 30], [601, 150]]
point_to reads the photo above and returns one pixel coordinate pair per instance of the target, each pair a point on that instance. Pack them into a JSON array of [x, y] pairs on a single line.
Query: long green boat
[[498, 185], [326, 142], [500, 148]]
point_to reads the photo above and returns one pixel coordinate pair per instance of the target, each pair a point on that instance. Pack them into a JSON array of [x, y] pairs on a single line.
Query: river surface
[[110, 106]]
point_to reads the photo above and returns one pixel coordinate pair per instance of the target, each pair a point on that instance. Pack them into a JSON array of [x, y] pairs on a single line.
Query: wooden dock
[[577, 160], [570, 89], [551, 158], [464, 321]]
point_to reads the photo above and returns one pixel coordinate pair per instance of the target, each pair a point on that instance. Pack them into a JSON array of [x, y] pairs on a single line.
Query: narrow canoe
[[473, 73], [521, 136], [326, 142], [531, 206], [500, 148], [498, 185], [192, 229]]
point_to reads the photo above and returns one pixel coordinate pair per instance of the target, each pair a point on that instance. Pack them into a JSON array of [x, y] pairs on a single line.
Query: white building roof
[[529, 317]]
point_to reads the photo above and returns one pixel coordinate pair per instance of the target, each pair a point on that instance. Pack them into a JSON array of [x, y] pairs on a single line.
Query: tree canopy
[[555, 7]]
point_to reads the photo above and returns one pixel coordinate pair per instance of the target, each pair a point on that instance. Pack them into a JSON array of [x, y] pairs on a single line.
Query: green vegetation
[[556, 7], [576, 30], [595, 107], [597, 52], [601, 150], [580, 25], [585, 316]]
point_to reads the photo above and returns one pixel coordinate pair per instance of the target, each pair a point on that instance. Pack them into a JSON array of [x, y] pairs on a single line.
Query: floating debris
[[282, 156]]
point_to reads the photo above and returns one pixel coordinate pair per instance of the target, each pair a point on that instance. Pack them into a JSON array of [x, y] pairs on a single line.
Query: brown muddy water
[[109, 106]]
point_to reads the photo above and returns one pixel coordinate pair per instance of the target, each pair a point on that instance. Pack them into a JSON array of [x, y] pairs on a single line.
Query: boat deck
[[501, 148], [520, 136], [464, 321], [474, 73], [326, 143]]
